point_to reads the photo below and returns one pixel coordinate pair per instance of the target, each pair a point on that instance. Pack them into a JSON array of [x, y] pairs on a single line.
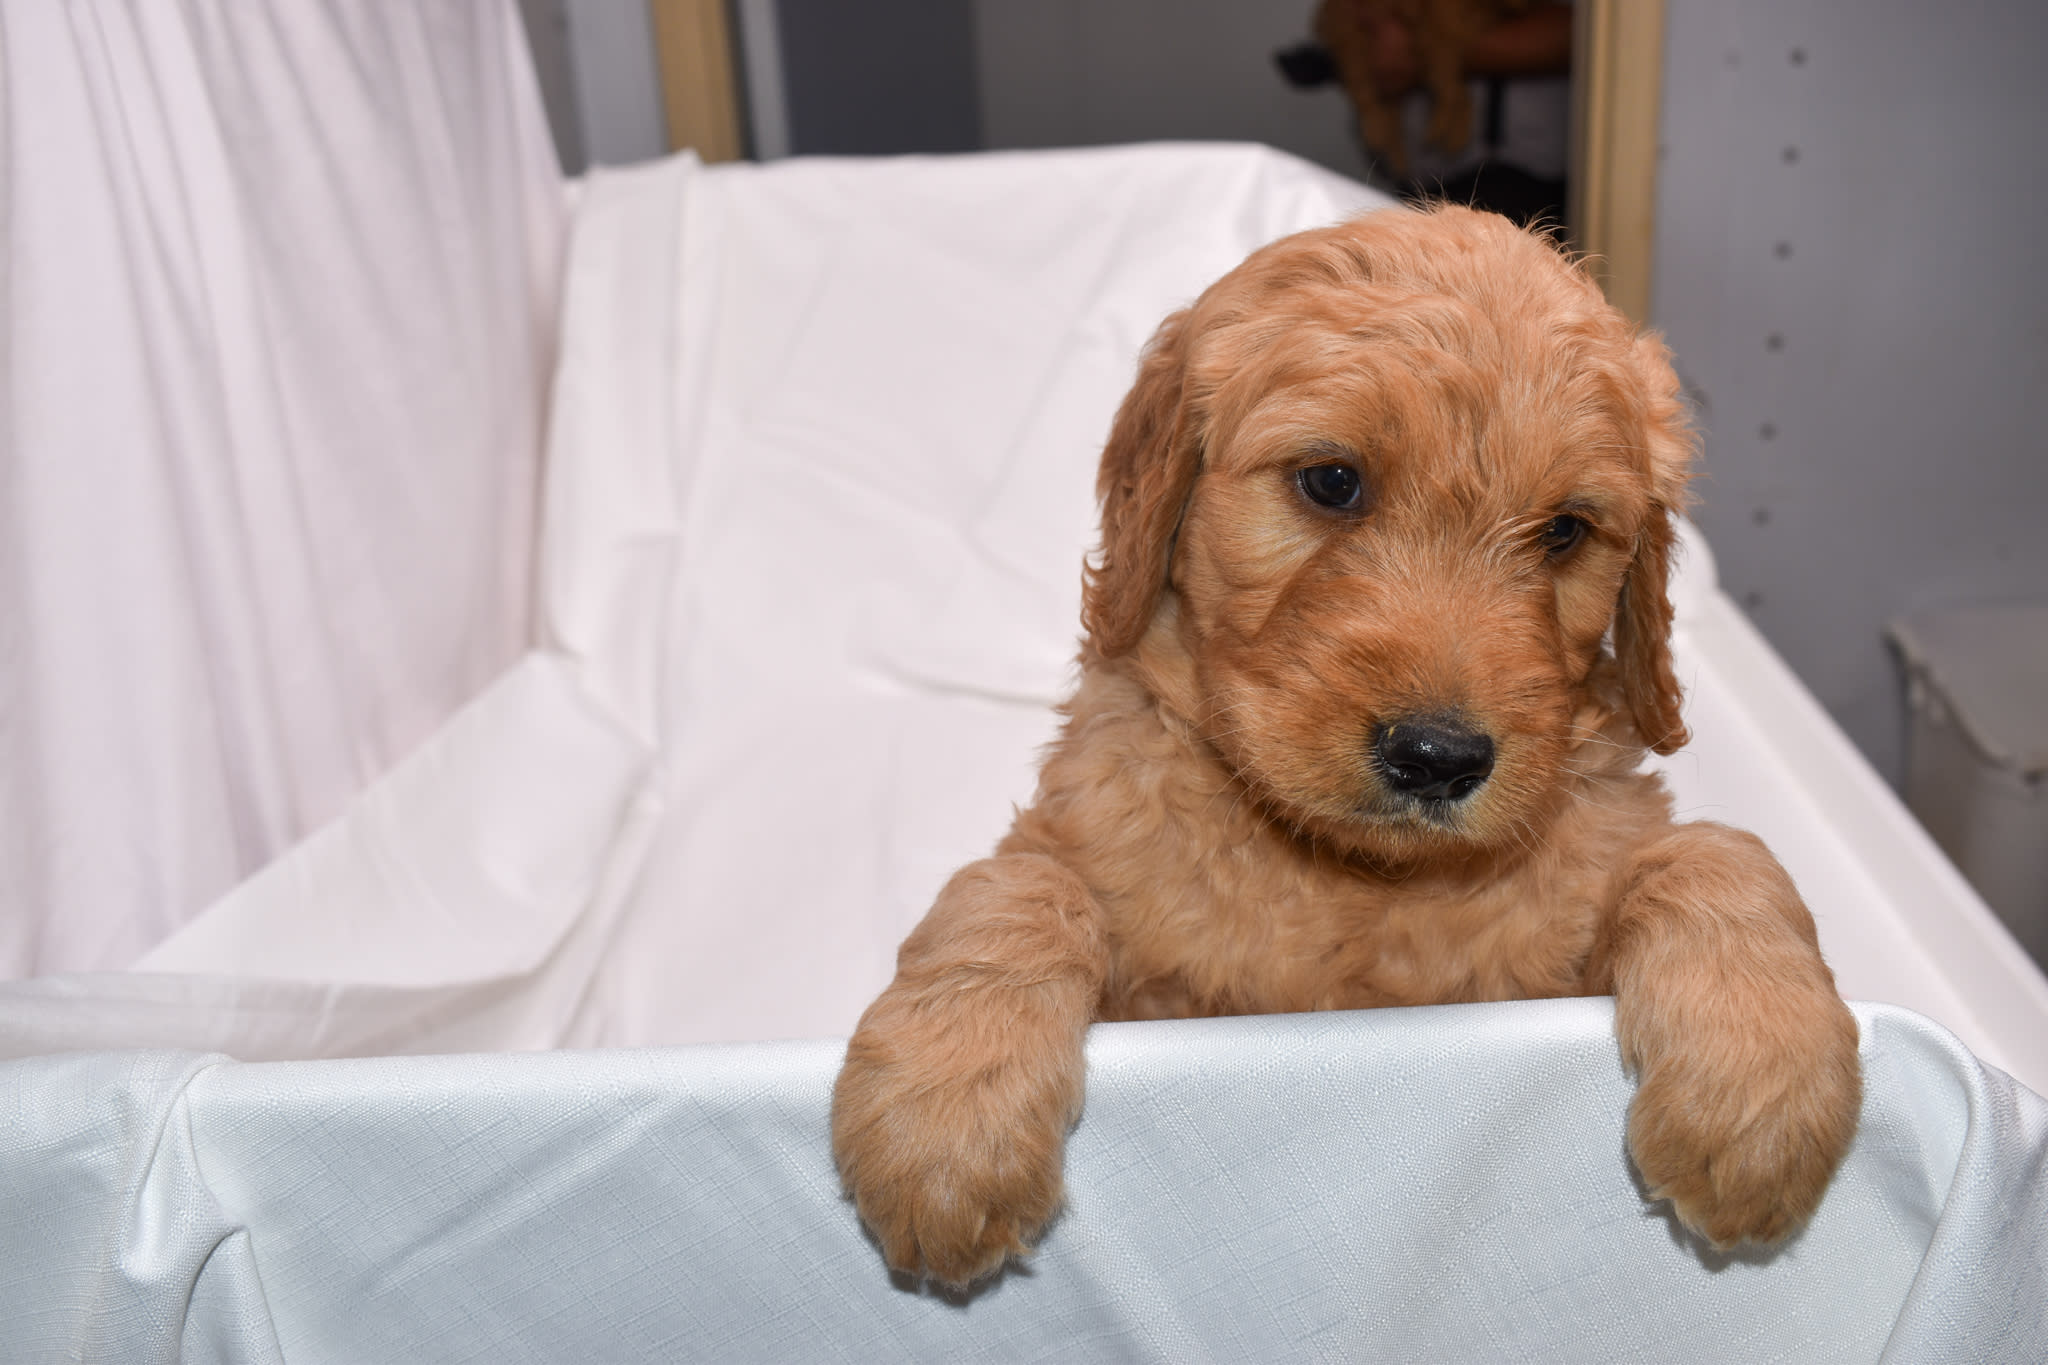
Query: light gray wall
[[894, 75], [879, 77], [817, 76], [757, 33], [599, 79], [1850, 271], [618, 81], [547, 39], [1073, 72]]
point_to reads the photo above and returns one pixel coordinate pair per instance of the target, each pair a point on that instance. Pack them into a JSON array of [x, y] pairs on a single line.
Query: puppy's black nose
[[1434, 758]]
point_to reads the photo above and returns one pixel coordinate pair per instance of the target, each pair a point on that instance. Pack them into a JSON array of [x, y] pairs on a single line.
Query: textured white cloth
[[1443, 1184], [278, 283]]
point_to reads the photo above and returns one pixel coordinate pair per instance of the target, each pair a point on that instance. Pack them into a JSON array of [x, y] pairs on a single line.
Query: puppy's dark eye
[[1563, 535], [1338, 487]]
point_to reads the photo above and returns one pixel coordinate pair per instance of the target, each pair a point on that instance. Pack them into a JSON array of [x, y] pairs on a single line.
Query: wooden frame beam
[[693, 44], [1617, 89]]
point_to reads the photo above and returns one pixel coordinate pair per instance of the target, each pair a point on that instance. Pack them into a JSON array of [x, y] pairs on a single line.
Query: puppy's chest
[[1254, 926]]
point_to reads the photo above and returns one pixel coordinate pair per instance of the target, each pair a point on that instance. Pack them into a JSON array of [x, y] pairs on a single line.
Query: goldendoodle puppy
[[1375, 642]]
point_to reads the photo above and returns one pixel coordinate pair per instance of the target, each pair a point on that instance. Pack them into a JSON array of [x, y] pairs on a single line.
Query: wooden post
[[1617, 85], [693, 42]]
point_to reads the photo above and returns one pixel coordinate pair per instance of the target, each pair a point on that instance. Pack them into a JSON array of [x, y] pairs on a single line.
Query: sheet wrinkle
[[146, 1234], [614, 531], [428, 105], [509, 959], [124, 1208], [1998, 1196], [218, 1328], [1038, 406], [586, 1020], [164, 229], [332, 170], [906, 678]]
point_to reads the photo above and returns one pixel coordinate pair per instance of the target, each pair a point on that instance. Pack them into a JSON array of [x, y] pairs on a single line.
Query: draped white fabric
[[278, 283], [1414, 1185]]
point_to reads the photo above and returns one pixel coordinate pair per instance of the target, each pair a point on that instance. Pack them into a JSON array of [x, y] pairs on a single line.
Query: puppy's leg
[[951, 1115], [1748, 1081]]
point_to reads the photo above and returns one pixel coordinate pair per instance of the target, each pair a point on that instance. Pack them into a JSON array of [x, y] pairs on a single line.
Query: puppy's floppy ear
[[1642, 621], [1148, 467], [1642, 639]]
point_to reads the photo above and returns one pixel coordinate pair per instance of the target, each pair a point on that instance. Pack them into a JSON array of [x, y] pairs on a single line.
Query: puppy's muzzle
[[1433, 758]]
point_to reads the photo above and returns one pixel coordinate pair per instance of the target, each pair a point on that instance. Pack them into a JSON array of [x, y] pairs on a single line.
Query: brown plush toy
[[1440, 30]]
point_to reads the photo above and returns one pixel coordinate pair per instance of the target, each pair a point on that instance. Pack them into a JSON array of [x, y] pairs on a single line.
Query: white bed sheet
[[1417, 1185]]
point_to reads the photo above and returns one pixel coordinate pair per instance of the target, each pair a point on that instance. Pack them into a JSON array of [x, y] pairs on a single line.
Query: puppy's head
[[1392, 486]]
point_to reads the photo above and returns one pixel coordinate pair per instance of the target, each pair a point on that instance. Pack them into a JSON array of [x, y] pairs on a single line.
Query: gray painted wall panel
[[547, 39], [599, 80], [1849, 271], [879, 77], [1072, 72], [618, 81]]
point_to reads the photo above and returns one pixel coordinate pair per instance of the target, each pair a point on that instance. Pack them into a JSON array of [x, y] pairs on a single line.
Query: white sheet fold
[[462, 902]]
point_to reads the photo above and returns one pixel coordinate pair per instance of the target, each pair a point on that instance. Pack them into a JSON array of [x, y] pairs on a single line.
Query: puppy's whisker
[[1588, 735], [1580, 728], [1598, 805]]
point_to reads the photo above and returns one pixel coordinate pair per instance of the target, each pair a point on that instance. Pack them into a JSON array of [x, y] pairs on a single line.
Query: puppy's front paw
[[1743, 1132], [949, 1142]]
